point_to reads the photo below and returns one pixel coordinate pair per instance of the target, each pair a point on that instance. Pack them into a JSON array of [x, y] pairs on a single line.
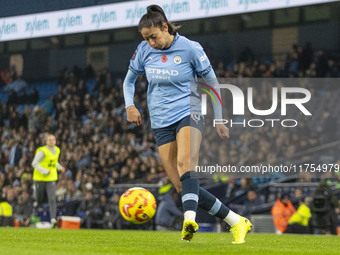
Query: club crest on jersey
[[164, 58], [177, 60]]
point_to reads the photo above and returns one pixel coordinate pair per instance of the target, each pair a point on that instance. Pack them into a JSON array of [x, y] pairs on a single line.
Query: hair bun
[[156, 8], [153, 8]]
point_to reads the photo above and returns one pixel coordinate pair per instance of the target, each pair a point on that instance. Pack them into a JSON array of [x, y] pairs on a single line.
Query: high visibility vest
[[49, 162], [5, 209], [301, 216]]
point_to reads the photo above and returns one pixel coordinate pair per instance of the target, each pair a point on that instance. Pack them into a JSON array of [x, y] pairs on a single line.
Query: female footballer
[[170, 61]]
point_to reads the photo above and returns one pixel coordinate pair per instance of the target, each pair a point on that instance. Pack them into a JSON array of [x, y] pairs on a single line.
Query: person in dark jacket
[[168, 214], [252, 202]]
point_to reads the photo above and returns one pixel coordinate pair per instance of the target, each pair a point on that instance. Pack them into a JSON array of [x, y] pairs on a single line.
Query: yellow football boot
[[190, 227], [240, 230]]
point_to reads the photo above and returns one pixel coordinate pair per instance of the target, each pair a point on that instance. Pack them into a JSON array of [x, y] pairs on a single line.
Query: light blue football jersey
[[169, 73]]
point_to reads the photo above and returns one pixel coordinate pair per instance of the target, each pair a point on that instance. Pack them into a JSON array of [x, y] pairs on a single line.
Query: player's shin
[[213, 206], [190, 191]]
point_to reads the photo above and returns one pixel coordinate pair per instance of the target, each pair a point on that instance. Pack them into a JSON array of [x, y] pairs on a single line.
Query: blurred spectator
[[72, 192], [11, 198], [105, 211], [282, 210], [298, 195], [37, 120], [22, 98], [299, 221], [327, 131], [7, 202], [168, 215], [24, 209], [15, 153], [6, 214], [17, 85], [33, 97], [247, 55], [246, 184], [251, 204], [322, 64], [61, 190], [89, 72], [113, 218], [5, 76], [89, 210], [232, 187], [12, 98]]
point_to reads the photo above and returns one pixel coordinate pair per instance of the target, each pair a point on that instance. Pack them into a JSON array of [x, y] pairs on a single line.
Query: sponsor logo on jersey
[[177, 60], [162, 71]]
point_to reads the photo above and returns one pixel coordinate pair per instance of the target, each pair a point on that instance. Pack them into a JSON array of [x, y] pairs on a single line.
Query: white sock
[[232, 218], [190, 215]]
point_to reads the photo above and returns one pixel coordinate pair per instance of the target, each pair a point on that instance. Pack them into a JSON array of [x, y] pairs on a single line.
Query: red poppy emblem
[[164, 58], [134, 55]]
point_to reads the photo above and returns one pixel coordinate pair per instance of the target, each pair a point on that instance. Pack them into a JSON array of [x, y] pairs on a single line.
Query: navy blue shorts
[[168, 134]]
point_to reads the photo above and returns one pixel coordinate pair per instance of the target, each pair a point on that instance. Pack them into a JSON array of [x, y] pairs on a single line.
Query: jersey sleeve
[[200, 61], [136, 61], [210, 79], [129, 88], [39, 156]]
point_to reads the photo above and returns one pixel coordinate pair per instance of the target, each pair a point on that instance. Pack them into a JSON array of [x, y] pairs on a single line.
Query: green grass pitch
[[21, 241]]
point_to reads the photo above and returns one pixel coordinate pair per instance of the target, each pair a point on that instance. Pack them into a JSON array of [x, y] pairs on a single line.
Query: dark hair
[[284, 196], [155, 17]]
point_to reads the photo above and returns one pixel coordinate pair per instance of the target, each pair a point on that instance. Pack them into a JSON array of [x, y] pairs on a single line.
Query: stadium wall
[[58, 59], [225, 46], [4, 60], [35, 64], [229, 46], [120, 55], [322, 36]]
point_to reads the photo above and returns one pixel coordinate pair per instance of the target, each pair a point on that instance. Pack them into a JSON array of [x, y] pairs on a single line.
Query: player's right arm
[[136, 68], [133, 114], [36, 163]]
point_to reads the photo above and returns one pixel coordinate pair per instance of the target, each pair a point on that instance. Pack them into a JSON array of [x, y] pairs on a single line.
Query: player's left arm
[[211, 80], [201, 64]]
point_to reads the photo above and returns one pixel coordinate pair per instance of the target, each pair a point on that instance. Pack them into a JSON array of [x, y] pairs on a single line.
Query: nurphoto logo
[[288, 96]]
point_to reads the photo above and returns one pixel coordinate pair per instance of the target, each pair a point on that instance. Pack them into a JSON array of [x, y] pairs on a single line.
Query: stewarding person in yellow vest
[[45, 175], [6, 214]]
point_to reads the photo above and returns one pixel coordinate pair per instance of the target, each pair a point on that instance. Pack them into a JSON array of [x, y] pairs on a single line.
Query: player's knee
[[183, 163], [187, 163]]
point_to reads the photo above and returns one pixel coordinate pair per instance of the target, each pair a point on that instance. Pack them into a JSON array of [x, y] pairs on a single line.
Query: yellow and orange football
[[137, 205]]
